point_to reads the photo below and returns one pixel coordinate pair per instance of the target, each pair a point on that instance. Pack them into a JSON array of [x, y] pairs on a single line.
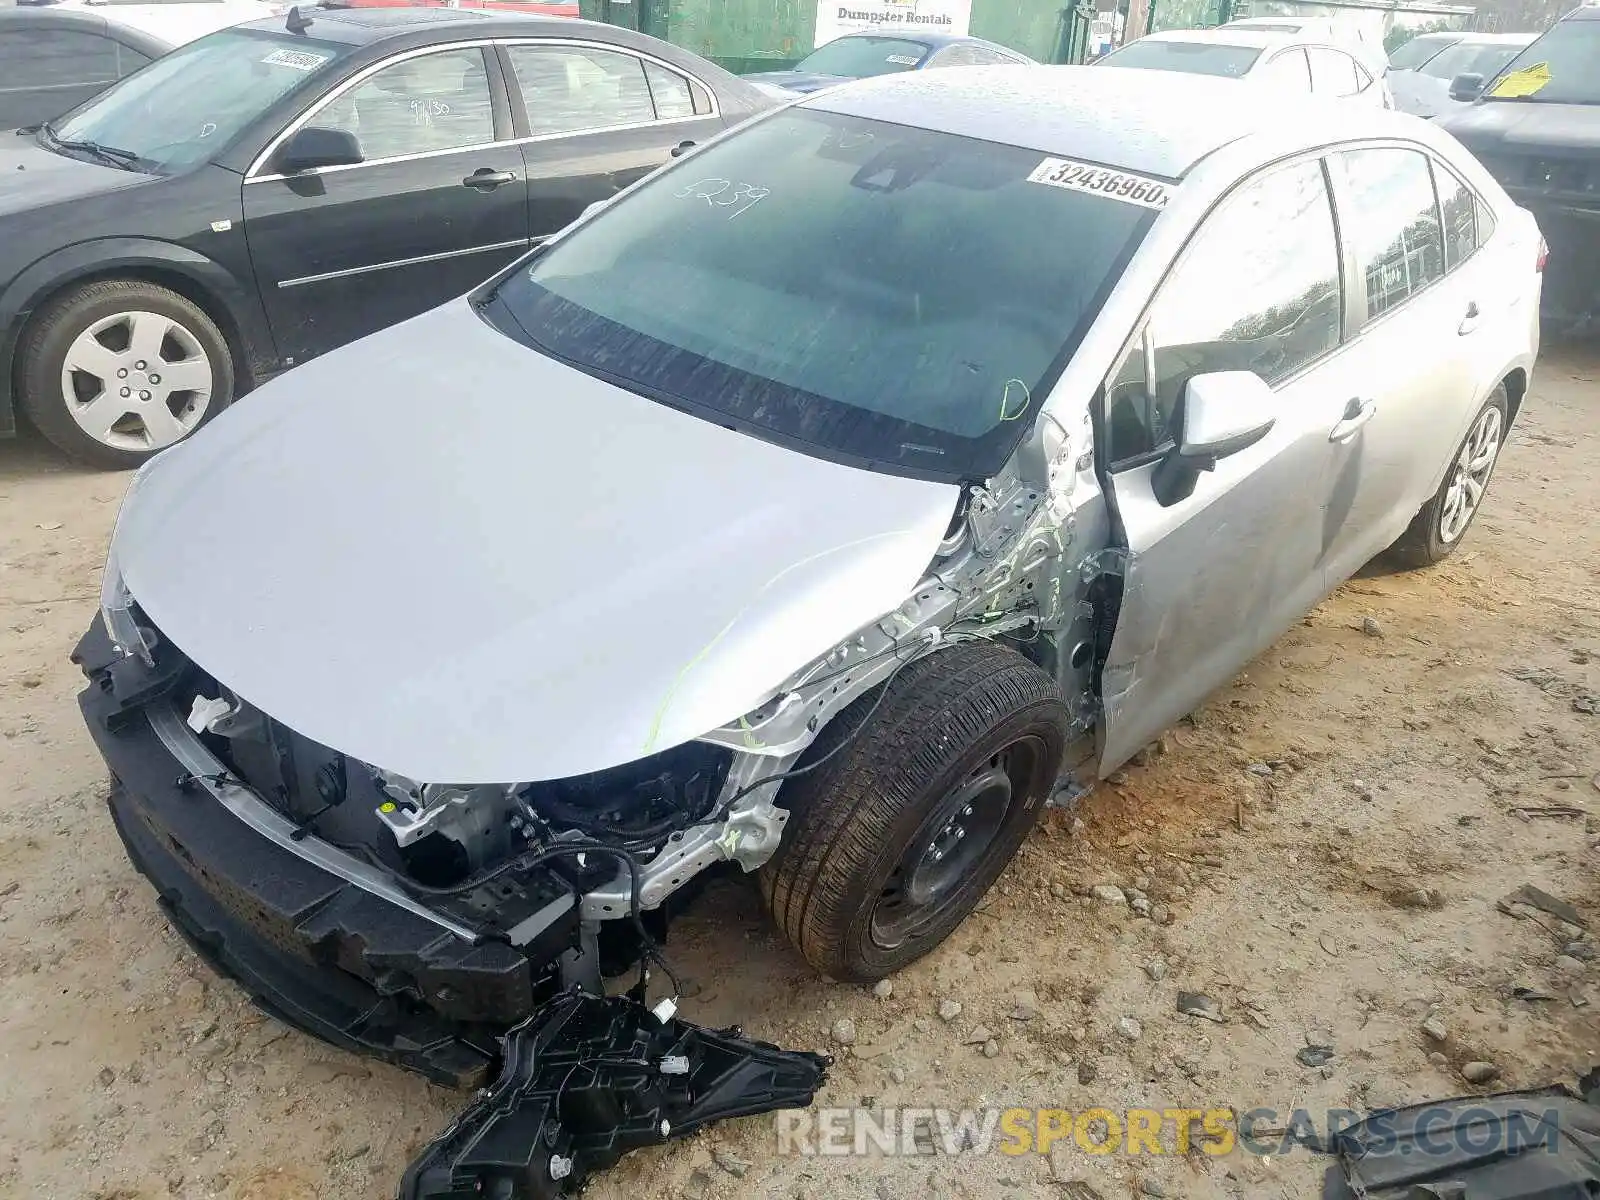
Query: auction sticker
[[1102, 181], [300, 60]]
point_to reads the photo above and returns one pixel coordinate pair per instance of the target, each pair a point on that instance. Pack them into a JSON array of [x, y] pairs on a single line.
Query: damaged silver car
[[819, 508]]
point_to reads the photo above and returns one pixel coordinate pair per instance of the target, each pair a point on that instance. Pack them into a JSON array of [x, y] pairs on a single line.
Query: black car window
[[418, 105], [1389, 214], [32, 59], [669, 91], [1195, 58], [1257, 289], [857, 289], [1459, 207], [1558, 68], [569, 89], [1470, 58], [1419, 50], [1333, 73], [189, 105]]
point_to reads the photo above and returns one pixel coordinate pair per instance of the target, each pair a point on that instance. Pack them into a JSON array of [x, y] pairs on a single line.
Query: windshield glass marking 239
[[184, 107], [867, 291]]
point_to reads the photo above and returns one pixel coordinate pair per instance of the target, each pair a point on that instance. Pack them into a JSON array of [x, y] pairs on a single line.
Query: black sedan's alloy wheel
[[895, 840], [116, 371]]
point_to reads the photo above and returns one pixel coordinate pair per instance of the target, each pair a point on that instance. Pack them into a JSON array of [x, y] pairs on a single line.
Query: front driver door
[[1211, 579], [436, 207]]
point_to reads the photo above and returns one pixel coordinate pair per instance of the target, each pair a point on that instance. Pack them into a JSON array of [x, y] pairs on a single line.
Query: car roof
[[361, 26], [1495, 39], [162, 23], [1153, 122], [1227, 35], [1588, 12]]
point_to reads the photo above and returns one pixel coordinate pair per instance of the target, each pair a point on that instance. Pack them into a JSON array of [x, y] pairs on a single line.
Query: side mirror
[[1466, 87], [314, 146], [1221, 413]]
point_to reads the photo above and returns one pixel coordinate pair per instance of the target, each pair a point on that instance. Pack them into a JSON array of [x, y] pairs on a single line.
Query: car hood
[[449, 556], [1523, 126], [796, 81], [32, 177]]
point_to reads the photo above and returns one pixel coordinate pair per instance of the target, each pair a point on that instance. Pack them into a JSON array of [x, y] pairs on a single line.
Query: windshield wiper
[[115, 155]]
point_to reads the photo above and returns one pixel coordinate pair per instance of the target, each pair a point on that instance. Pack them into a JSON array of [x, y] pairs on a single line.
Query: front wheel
[[894, 840], [1438, 529], [114, 371]]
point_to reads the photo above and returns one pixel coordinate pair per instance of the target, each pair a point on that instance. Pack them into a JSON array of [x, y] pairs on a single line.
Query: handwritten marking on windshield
[[1006, 400], [725, 193], [1101, 181]]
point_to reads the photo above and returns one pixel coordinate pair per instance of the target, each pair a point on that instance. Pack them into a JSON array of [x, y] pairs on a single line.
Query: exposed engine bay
[[624, 840]]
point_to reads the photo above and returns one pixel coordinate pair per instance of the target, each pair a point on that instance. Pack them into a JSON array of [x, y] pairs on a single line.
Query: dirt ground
[[1320, 851]]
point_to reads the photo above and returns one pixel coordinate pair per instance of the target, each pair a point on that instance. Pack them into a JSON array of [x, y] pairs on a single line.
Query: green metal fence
[[767, 35]]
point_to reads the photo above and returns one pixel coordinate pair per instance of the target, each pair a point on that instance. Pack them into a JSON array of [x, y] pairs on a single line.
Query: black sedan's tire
[[894, 840], [115, 371], [1440, 526]]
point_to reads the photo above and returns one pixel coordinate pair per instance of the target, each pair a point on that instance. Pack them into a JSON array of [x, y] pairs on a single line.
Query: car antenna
[[297, 21]]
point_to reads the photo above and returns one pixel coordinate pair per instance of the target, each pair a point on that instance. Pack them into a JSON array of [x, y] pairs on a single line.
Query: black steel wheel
[[892, 843]]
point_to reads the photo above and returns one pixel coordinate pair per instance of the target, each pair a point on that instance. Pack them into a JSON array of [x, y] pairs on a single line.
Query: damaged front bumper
[[327, 942]]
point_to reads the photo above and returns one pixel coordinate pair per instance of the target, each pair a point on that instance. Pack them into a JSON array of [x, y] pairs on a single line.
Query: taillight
[[1544, 256]]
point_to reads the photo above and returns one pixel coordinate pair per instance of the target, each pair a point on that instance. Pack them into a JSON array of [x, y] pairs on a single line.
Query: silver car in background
[[820, 506], [1424, 90], [1291, 64]]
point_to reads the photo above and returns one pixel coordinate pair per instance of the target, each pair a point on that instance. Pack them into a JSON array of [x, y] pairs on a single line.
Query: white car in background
[[1286, 62], [1355, 38], [57, 54], [1424, 91]]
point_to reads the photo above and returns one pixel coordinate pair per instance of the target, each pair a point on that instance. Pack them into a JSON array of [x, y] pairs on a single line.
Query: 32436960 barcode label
[[1102, 181]]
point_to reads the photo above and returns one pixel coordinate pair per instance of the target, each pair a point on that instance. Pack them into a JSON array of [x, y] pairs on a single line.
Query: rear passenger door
[[595, 119], [1411, 318]]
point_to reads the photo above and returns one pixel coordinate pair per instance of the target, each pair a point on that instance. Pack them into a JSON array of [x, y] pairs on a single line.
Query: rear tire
[[1441, 525], [114, 372], [894, 840]]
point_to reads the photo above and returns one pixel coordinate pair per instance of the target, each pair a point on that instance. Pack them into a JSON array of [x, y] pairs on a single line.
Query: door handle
[[1470, 321], [1356, 414], [681, 147], [486, 179]]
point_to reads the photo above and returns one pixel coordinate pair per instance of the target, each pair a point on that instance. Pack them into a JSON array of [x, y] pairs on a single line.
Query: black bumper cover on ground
[[313, 949]]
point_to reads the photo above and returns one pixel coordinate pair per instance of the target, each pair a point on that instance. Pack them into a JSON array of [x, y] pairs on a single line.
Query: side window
[[1257, 289], [1288, 70], [129, 60], [670, 93], [955, 56], [1363, 77], [1333, 73], [570, 89], [56, 58], [418, 105], [1459, 207], [1392, 224]]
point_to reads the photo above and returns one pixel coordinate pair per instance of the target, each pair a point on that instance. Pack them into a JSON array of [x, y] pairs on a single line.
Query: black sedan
[[280, 188]]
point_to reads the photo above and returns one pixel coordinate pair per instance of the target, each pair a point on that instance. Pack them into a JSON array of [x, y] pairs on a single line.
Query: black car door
[[436, 205], [597, 118]]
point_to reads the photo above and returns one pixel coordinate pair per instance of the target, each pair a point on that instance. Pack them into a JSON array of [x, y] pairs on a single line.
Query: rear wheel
[[894, 841], [115, 371], [1441, 525]]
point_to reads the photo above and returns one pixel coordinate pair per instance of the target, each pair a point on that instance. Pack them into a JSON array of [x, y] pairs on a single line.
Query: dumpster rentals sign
[[835, 18]]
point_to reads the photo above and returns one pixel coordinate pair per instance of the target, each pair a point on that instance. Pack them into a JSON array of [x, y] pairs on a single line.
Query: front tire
[[895, 839], [116, 371], [1441, 525]]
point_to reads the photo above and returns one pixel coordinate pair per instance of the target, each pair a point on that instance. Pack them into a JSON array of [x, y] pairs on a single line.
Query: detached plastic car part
[[1538, 1145], [588, 1078]]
